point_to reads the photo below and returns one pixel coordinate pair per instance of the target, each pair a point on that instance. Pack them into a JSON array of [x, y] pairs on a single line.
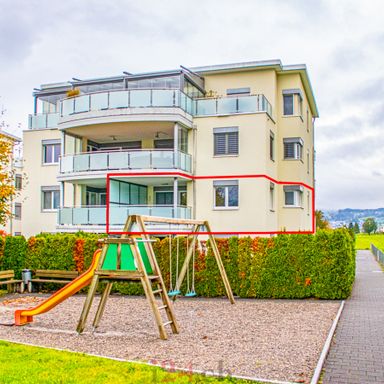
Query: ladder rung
[[157, 291], [162, 307], [168, 322], [153, 277]]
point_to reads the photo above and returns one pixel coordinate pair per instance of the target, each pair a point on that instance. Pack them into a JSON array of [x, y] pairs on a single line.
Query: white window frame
[[51, 190], [272, 197], [225, 184], [298, 146], [54, 144], [297, 191]]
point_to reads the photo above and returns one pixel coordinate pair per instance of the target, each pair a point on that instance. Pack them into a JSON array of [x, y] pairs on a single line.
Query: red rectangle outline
[[191, 177]]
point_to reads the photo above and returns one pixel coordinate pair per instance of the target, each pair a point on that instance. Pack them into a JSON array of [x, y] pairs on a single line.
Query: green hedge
[[285, 266]]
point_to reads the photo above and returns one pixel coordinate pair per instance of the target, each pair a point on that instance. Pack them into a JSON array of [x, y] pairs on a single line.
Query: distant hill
[[348, 215]]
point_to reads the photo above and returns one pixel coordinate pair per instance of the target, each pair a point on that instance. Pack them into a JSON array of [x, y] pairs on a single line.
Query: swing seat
[[191, 294], [174, 293]]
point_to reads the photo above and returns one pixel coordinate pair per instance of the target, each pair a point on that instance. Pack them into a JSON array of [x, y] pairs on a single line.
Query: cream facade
[[232, 144]]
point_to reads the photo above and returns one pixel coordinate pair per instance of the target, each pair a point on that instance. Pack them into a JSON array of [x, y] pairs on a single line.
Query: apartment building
[[15, 168], [232, 144]]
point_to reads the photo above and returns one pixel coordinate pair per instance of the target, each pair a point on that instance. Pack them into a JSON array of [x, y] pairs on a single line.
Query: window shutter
[[233, 143], [289, 150], [220, 144]]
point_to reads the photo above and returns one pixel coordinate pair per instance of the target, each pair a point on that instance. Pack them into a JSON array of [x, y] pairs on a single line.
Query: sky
[[340, 41]]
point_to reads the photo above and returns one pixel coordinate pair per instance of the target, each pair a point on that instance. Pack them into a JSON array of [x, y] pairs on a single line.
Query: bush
[[285, 266]]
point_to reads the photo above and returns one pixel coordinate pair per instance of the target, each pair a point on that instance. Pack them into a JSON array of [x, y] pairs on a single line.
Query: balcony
[[125, 160], [232, 105], [96, 215], [43, 121], [134, 98]]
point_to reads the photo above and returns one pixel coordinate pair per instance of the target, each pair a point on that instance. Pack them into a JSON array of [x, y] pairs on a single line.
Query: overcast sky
[[341, 41]]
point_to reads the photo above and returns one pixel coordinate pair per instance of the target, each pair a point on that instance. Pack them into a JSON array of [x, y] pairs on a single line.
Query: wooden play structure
[[132, 258]]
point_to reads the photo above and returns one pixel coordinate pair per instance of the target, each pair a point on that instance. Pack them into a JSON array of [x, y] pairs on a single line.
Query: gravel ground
[[272, 339]]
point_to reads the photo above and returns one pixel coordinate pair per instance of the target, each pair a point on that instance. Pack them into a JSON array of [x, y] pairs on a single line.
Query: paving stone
[[357, 350]]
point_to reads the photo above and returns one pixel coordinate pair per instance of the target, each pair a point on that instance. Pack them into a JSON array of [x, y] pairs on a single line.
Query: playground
[[274, 339]]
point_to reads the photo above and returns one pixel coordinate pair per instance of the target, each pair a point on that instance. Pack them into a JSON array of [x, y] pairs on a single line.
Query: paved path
[[357, 350]]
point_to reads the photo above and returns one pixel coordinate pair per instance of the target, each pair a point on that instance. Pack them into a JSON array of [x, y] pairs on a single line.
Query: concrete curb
[[327, 345]]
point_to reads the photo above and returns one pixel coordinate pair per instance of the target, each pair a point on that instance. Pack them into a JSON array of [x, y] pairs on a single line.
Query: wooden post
[[101, 307], [219, 262]]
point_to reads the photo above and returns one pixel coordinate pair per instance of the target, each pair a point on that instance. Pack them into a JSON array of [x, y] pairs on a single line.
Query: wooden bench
[[53, 276], [8, 278]]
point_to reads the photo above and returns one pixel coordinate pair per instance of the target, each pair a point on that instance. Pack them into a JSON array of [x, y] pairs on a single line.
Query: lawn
[[26, 364], [363, 241]]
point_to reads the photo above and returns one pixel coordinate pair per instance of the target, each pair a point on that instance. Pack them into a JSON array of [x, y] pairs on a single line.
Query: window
[[238, 91], [288, 105], [308, 165], [271, 146], [226, 141], [293, 102], [272, 196], [293, 148], [164, 196], [17, 211], [226, 194], [308, 205], [293, 195], [307, 120], [17, 234], [183, 140], [18, 182], [50, 198], [51, 151]]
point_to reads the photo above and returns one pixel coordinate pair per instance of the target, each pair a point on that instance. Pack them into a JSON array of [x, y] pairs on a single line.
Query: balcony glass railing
[[129, 159], [232, 105], [135, 98], [43, 120], [117, 214]]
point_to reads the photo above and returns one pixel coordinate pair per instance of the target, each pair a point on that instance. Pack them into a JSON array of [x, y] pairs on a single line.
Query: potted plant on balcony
[[73, 92]]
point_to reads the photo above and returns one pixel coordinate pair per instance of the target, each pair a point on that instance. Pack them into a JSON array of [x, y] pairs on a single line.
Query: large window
[[18, 182], [293, 195], [226, 193], [293, 148], [226, 141], [288, 105], [51, 151], [50, 198], [164, 196]]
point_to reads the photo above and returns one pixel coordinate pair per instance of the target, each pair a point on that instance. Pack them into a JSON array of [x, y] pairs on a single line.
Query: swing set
[[131, 258]]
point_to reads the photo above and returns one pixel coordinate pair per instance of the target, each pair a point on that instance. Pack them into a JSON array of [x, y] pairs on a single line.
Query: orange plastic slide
[[24, 316]]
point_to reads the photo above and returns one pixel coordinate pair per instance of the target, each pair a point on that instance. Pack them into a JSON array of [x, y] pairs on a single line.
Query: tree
[[356, 228], [7, 187], [369, 225], [350, 226], [321, 222]]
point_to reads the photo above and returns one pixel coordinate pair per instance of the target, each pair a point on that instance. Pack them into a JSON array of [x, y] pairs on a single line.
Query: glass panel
[[80, 216], [67, 107], [118, 160], [247, 104], [48, 153], [140, 159], [162, 159], [182, 163], [117, 215], [81, 163], [66, 164], [40, 121], [233, 196], [57, 152], [56, 199], [98, 161], [114, 191], [47, 200], [134, 194], [227, 105], [99, 101], [290, 198], [124, 194], [52, 120], [118, 99], [220, 197], [162, 211], [188, 165], [288, 104], [206, 107], [143, 195], [82, 104], [162, 98], [140, 98], [97, 216], [65, 216], [144, 210]]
